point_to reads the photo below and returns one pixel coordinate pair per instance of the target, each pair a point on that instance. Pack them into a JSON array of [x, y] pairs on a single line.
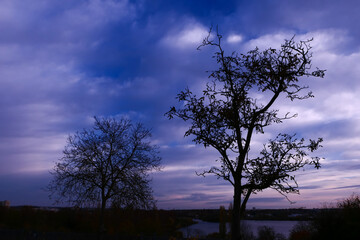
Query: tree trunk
[[102, 220], [236, 217]]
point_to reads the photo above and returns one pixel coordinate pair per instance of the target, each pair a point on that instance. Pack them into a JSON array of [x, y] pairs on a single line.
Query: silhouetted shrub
[[268, 233], [302, 231], [342, 222], [246, 231], [222, 224]]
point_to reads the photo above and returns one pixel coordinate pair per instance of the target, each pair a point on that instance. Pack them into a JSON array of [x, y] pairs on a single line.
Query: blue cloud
[[62, 63]]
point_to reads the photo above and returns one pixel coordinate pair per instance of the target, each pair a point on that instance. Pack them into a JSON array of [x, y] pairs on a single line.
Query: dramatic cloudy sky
[[62, 62]]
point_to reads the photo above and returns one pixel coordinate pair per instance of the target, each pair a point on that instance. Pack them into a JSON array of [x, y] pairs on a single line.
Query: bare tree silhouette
[[237, 104], [107, 164]]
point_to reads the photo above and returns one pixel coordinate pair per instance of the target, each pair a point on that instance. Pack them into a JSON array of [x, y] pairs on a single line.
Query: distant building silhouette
[[5, 203]]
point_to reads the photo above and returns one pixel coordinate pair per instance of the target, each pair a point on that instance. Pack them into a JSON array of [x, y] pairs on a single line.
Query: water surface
[[203, 228]]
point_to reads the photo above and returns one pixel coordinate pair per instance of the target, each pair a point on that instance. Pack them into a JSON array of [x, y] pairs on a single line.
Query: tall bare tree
[[237, 104], [107, 164]]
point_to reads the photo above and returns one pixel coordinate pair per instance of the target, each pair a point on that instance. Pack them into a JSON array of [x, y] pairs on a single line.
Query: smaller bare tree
[[107, 164]]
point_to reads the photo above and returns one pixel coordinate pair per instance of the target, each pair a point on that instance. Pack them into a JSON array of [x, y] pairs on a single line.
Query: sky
[[63, 62]]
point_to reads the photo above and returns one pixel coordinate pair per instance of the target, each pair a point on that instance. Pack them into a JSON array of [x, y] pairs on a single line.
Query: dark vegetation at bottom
[[342, 223], [67, 223], [338, 222], [36, 235]]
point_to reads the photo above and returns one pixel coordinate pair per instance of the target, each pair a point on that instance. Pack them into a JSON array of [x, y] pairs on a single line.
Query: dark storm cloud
[[266, 200], [195, 201], [196, 197], [309, 187], [345, 187]]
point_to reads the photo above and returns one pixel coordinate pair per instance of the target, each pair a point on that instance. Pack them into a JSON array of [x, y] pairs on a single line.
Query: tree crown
[[109, 162], [228, 113]]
